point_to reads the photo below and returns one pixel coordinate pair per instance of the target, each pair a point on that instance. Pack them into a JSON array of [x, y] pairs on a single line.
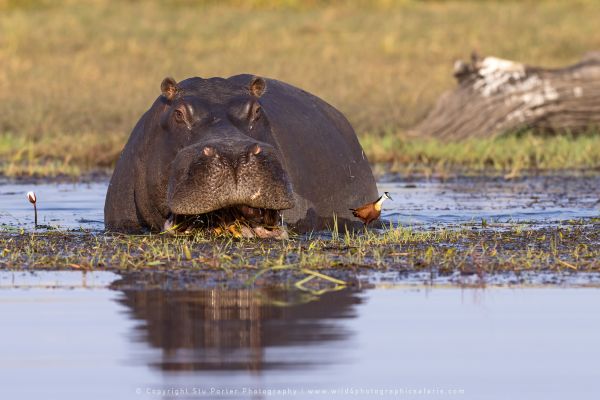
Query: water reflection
[[218, 329]]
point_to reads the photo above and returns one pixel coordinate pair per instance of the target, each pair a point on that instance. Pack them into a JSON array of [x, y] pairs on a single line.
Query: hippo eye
[[179, 115], [254, 116]]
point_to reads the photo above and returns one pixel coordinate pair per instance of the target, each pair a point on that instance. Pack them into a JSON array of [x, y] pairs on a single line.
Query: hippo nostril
[[255, 149], [208, 151]]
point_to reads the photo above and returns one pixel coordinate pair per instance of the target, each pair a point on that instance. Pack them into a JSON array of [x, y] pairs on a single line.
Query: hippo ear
[[257, 86], [169, 88]]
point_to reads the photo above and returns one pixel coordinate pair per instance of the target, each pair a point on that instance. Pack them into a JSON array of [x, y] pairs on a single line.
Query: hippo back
[[328, 169]]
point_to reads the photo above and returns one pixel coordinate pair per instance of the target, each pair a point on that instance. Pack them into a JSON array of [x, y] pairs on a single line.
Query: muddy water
[[83, 340], [539, 199]]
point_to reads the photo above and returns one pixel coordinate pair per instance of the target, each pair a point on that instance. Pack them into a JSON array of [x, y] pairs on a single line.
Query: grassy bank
[[510, 155], [471, 250], [76, 76]]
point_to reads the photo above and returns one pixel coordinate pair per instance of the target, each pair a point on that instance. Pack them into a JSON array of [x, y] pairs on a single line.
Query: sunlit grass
[[489, 249], [510, 154], [76, 76]]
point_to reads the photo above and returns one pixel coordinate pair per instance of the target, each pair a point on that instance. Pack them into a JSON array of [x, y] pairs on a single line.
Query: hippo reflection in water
[[234, 329], [242, 148]]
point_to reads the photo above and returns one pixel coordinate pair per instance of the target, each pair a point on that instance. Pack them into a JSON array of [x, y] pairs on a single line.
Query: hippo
[[249, 147]]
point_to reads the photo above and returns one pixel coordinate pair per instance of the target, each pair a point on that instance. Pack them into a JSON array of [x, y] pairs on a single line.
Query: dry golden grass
[[76, 75]]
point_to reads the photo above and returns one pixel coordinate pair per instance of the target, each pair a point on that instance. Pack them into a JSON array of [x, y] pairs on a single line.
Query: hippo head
[[214, 151]]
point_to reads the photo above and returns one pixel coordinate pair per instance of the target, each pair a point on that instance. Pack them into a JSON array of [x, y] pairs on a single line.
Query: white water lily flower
[[31, 197]]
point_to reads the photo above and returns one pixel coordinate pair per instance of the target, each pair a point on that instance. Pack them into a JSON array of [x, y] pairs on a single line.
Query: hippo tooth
[[264, 233], [247, 232], [169, 224]]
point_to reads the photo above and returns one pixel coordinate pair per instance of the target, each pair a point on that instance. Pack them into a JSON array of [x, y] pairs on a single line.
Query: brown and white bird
[[370, 211]]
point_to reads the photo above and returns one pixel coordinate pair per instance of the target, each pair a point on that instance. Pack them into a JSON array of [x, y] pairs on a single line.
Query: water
[[539, 199], [84, 340], [62, 205], [73, 335]]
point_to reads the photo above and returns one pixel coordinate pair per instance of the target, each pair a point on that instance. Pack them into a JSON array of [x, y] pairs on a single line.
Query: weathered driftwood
[[494, 96]]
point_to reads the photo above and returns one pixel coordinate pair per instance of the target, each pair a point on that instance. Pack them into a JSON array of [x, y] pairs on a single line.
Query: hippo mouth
[[238, 221], [218, 185], [254, 218]]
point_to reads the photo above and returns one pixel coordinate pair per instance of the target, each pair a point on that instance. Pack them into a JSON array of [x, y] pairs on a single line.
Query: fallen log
[[495, 96]]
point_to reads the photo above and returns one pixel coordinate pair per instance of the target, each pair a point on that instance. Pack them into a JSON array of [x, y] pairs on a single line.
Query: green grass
[[76, 76], [489, 248], [510, 154]]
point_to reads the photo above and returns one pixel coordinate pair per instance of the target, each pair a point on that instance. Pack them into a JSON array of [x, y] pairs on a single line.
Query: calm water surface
[[83, 340], [422, 202]]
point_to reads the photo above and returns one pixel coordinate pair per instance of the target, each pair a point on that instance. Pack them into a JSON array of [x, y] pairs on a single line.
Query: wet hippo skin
[[260, 147]]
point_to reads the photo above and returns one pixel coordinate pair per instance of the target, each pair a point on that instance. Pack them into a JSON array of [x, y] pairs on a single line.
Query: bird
[[370, 211]]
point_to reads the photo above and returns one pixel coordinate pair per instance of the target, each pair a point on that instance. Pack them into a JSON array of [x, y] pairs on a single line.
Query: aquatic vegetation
[[320, 261]]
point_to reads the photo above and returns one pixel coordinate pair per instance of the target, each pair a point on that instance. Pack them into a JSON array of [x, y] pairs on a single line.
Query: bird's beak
[[389, 197]]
